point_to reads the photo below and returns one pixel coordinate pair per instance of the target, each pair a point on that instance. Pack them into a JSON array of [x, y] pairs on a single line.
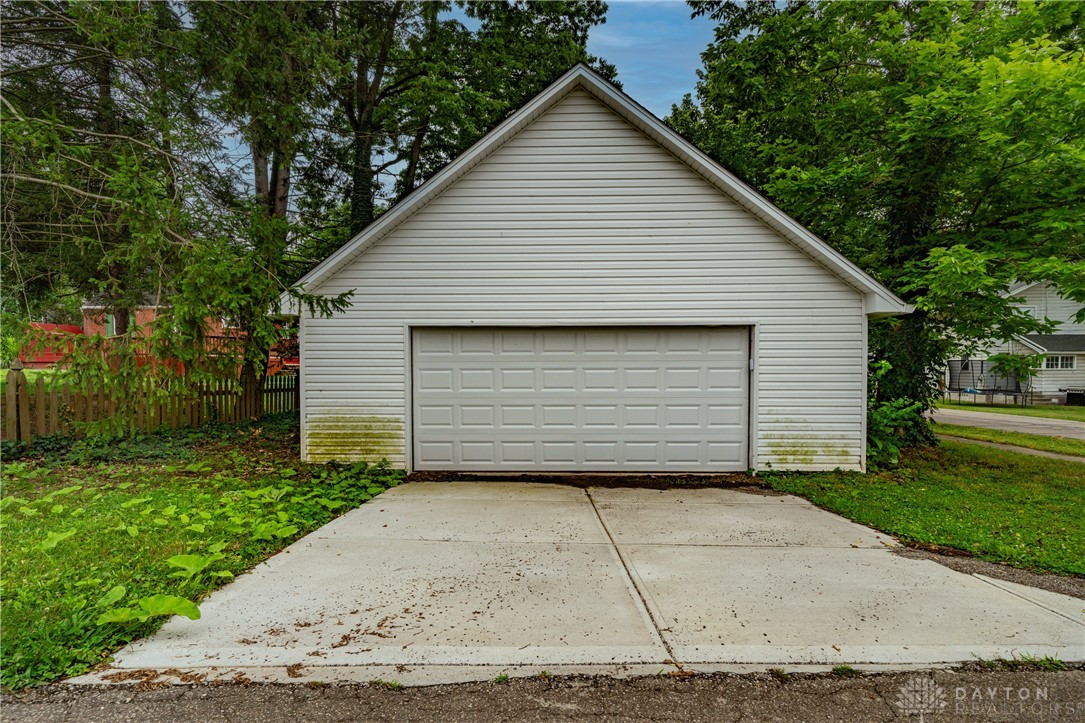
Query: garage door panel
[[640, 453], [471, 380], [477, 416], [639, 415], [679, 452], [436, 416], [517, 415], [641, 399], [682, 416], [558, 452], [513, 380], [724, 379], [558, 416], [437, 453], [516, 452], [477, 452], [602, 380], [437, 380], [601, 452], [559, 380]]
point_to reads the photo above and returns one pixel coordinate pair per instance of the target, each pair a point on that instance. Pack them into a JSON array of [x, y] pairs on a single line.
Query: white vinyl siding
[[1056, 381], [581, 220], [1047, 303]]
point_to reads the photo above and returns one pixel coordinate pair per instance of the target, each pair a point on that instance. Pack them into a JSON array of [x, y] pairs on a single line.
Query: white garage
[[583, 290]]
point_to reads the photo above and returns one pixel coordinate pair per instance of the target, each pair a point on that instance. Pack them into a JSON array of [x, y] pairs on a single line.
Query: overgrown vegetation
[[939, 145], [892, 424], [1005, 507], [102, 541], [1058, 445]]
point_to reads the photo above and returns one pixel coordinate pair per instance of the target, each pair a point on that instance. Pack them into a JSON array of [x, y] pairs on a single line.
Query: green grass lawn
[[1076, 414], [1002, 506], [96, 532], [1059, 445]]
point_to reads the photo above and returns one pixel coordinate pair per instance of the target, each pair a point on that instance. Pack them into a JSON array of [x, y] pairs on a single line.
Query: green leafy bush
[[887, 430], [891, 425]]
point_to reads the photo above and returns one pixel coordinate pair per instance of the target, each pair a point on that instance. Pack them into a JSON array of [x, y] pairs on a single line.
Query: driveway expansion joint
[[646, 609]]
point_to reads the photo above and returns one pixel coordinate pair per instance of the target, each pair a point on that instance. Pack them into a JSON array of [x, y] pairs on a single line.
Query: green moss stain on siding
[[792, 453], [354, 438]]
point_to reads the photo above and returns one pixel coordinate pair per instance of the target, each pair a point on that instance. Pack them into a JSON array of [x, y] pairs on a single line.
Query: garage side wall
[[581, 220]]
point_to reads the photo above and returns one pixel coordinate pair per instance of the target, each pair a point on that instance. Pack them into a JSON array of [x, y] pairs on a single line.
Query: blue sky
[[656, 47]]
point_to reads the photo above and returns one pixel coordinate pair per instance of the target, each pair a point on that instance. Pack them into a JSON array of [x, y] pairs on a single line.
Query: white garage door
[[647, 399]]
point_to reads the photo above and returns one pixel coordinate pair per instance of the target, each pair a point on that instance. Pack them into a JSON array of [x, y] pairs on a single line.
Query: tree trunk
[[366, 96], [105, 122], [410, 175], [363, 187], [260, 177], [279, 189], [122, 322]]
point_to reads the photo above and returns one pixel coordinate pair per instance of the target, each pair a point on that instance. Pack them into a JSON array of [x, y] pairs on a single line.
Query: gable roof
[[879, 301], [1055, 342]]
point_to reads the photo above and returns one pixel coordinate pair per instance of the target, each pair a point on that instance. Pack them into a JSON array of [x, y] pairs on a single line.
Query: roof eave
[[1029, 343], [879, 306]]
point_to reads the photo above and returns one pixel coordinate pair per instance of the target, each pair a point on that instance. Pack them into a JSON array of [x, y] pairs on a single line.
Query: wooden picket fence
[[32, 409]]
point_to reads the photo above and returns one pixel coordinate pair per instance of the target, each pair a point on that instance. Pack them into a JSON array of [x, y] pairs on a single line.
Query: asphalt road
[[1012, 423], [940, 696]]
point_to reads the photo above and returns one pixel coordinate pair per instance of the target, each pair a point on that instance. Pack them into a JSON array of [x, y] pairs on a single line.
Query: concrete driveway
[[441, 582], [1012, 423]]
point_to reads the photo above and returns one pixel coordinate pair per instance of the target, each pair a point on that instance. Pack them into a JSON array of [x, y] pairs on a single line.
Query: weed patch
[[1024, 662]]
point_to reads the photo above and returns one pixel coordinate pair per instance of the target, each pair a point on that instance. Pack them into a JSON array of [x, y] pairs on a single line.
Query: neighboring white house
[[585, 290], [1064, 362]]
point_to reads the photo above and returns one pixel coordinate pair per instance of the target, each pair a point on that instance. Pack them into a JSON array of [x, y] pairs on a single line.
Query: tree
[[122, 123], [266, 91], [409, 88], [940, 145], [91, 120], [117, 182]]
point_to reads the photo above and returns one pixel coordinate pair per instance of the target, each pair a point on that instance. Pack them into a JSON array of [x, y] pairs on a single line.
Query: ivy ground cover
[[102, 542]]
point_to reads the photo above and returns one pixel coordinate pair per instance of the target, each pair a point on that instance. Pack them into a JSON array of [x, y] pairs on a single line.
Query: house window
[[1059, 362], [110, 325]]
